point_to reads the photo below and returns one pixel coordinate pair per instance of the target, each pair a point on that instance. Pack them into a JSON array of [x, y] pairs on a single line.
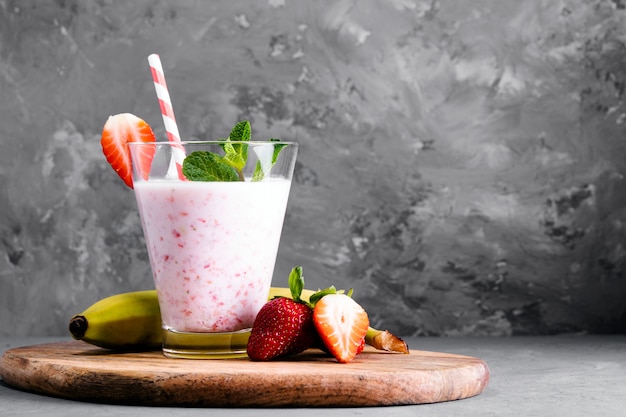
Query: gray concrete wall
[[461, 166]]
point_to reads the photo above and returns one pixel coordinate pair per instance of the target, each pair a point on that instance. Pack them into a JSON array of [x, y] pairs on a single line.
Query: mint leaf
[[258, 174], [266, 162], [277, 148], [236, 154], [208, 166], [241, 132]]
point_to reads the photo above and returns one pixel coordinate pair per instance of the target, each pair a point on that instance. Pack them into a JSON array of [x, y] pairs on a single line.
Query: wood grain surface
[[78, 371]]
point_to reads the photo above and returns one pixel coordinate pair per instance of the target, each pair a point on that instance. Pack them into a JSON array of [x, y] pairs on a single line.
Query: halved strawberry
[[341, 324], [361, 347], [117, 132]]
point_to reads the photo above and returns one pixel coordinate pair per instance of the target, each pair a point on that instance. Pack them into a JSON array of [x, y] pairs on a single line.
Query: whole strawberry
[[284, 326]]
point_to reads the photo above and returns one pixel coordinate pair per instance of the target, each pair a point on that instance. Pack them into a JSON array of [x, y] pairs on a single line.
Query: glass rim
[[214, 142]]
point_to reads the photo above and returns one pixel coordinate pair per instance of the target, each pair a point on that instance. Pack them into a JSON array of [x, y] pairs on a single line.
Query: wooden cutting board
[[78, 371]]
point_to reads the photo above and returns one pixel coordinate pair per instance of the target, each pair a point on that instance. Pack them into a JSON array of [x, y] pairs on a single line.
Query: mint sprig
[[210, 166]]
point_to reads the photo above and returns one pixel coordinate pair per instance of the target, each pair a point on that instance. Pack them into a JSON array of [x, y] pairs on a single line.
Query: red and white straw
[[167, 111]]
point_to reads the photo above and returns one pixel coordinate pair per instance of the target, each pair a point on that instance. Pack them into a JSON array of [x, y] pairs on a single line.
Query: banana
[[132, 321], [128, 321]]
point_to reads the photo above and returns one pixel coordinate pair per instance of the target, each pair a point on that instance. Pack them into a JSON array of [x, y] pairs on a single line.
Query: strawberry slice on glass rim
[[120, 129]]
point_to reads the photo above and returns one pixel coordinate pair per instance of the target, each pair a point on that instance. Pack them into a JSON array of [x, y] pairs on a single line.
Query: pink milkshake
[[212, 247], [212, 226]]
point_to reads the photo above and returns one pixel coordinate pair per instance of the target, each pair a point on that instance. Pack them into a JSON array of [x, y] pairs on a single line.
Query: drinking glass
[[212, 244]]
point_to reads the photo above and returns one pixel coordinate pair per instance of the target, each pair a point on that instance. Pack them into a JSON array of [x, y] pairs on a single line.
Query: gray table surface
[[569, 376]]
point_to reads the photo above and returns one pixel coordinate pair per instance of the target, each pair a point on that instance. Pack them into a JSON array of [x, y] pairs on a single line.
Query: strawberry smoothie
[[212, 248]]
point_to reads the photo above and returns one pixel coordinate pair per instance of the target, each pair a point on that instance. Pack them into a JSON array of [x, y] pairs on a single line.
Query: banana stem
[[384, 340]]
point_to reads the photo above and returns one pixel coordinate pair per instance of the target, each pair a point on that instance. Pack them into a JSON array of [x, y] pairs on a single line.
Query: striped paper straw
[[167, 111]]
